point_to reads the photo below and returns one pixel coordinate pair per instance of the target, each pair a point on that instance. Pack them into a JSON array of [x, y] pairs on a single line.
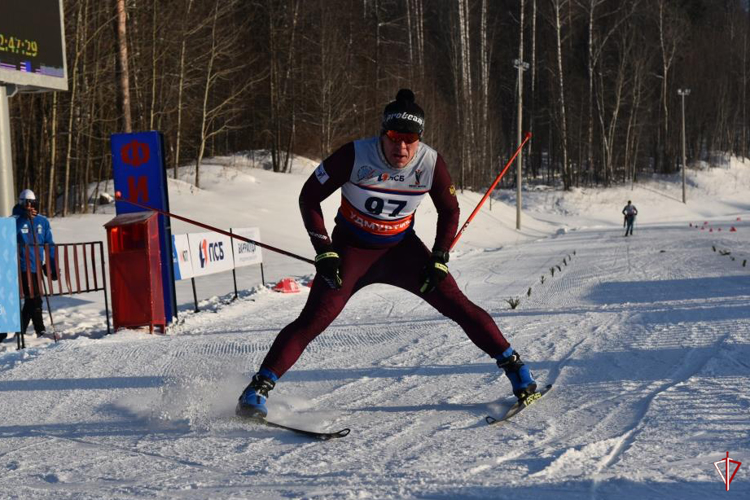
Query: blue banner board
[[10, 307], [140, 174]]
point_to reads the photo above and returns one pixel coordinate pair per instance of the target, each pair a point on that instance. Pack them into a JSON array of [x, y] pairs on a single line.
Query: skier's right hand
[[328, 267], [53, 271]]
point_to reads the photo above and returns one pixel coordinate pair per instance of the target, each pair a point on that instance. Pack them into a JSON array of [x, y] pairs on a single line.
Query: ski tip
[[326, 436]]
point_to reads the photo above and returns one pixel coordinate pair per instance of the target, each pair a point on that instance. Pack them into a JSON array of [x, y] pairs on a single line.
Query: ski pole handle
[[118, 197], [487, 194]]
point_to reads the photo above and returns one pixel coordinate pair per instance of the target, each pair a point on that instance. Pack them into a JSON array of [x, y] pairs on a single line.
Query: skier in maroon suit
[[382, 180]]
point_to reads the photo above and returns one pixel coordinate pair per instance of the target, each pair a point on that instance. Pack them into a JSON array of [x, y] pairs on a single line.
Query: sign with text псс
[[210, 253]]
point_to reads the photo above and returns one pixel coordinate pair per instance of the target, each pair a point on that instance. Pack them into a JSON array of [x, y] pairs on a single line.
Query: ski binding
[[519, 406]]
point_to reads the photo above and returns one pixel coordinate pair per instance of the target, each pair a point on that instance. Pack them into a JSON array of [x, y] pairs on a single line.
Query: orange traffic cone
[[286, 285]]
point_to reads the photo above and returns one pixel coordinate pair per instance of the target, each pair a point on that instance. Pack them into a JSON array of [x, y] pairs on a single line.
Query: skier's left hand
[[434, 271]]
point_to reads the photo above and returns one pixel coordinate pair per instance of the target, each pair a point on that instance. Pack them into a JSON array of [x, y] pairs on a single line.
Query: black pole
[[104, 284], [234, 268], [195, 295], [49, 311], [44, 285], [20, 340]]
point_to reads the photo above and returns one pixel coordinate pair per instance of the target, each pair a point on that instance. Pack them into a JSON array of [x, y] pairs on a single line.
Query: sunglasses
[[33, 203], [397, 137]]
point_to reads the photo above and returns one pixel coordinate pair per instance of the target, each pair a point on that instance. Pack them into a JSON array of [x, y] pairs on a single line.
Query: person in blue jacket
[[33, 230]]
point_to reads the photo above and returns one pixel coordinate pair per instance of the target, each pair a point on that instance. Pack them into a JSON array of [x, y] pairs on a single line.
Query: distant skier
[[629, 212], [383, 179], [32, 229]]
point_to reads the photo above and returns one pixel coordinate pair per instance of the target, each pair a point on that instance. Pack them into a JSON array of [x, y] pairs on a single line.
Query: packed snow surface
[[646, 340]]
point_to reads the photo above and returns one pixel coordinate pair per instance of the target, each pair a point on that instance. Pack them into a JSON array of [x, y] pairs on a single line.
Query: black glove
[[434, 271], [328, 266], [53, 271]]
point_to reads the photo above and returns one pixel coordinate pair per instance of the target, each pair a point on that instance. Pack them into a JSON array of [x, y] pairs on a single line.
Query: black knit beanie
[[403, 114]]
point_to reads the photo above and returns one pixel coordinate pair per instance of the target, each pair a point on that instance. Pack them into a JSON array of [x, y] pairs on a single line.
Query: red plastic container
[[135, 271]]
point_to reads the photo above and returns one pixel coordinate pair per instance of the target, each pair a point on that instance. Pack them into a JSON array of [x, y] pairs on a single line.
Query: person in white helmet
[[33, 231]]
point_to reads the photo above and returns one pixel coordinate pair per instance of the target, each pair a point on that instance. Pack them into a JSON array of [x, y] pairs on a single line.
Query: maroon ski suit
[[396, 260]]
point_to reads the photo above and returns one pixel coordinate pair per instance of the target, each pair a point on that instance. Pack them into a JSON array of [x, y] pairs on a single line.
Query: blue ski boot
[[252, 403], [518, 373]]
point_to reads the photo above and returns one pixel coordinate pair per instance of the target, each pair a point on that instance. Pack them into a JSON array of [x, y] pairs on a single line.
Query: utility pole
[[683, 93], [7, 189], [521, 67]]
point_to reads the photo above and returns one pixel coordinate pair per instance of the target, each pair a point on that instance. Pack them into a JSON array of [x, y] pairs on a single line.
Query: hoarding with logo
[[246, 254], [210, 253], [140, 175], [183, 267]]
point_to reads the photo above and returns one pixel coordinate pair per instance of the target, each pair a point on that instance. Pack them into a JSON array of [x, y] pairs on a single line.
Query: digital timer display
[[32, 47]]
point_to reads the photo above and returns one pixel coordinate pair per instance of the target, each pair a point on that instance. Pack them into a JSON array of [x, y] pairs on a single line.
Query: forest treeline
[[600, 93]]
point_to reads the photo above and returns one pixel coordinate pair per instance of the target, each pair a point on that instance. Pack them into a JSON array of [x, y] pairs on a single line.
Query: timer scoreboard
[[32, 45]]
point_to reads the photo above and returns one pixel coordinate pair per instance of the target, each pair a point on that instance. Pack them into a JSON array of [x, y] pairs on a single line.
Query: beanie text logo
[[404, 116]]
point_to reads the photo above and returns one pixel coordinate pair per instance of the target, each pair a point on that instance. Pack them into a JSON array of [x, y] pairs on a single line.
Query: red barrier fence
[[79, 268]]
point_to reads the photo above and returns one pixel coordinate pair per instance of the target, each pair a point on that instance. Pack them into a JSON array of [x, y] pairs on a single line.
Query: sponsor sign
[[247, 254], [140, 174], [210, 253], [10, 311], [183, 266]]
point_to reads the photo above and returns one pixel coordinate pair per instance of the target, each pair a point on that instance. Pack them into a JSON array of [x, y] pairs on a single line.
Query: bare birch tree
[[217, 110], [181, 84], [558, 7], [671, 31]]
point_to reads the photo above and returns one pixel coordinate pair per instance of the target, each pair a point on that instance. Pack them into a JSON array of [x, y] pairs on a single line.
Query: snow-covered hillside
[[646, 338]]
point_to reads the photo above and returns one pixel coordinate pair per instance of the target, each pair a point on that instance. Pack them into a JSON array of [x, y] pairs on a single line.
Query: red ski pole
[[487, 194], [118, 197]]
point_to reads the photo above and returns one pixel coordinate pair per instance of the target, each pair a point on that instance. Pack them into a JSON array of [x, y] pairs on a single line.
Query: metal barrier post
[[104, 285]]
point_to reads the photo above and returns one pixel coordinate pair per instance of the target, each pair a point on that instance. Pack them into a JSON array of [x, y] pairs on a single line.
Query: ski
[[518, 407], [323, 436]]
